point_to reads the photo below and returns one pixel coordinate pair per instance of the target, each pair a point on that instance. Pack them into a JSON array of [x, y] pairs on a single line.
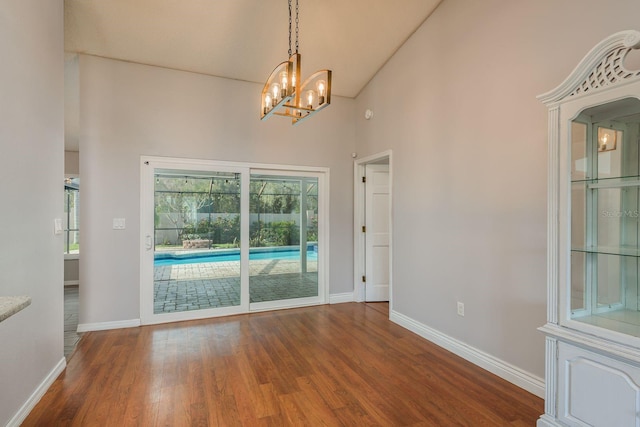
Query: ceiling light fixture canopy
[[284, 95]]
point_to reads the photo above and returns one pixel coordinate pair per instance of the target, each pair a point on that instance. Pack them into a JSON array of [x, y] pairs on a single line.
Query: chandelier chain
[[290, 31], [297, 20]]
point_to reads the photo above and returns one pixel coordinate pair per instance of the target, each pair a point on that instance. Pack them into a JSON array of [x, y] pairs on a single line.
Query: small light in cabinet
[[606, 139]]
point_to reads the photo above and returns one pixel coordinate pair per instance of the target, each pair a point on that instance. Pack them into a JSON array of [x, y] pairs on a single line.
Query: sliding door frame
[[148, 166]]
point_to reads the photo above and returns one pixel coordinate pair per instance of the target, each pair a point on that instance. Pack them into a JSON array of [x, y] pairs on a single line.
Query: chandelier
[[284, 95]]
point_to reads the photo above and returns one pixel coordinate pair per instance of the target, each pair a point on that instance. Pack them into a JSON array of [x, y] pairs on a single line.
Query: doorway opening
[[71, 232], [373, 228]]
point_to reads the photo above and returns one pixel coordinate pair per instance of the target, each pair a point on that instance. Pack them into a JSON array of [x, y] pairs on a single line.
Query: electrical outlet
[[460, 308]]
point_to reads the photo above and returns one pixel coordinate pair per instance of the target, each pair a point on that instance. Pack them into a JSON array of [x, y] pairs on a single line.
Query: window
[[71, 216]]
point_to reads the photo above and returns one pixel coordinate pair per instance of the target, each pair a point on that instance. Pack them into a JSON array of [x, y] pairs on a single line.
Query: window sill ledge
[[11, 305]]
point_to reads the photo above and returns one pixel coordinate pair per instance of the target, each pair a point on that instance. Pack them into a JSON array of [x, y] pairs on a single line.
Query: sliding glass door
[[283, 261], [222, 238], [196, 240]]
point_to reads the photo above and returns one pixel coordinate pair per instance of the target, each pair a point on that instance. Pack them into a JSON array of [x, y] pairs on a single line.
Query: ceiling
[[246, 39]]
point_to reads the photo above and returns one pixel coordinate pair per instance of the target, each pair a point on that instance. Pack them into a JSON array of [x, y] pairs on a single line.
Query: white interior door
[[377, 218]]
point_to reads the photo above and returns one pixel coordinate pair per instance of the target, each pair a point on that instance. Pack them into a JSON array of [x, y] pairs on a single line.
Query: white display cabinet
[[593, 317]]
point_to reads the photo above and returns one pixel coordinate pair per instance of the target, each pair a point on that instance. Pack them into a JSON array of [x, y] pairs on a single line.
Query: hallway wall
[[31, 173]]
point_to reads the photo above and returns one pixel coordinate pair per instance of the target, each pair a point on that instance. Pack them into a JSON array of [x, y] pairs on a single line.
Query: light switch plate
[[460, 308], [118, 223], [57, 226]]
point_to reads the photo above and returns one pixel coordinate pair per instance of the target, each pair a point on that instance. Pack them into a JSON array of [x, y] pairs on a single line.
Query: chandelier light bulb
[[275, 90], [267, 102], [283, 81], [321, 85], [310, 96]]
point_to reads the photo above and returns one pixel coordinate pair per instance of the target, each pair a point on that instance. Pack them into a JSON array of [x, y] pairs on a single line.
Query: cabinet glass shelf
[[630, 251], [611, 182], [623, 321]]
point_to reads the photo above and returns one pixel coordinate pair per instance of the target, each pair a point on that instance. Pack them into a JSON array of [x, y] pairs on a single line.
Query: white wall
[[71, 271], [71, 162], [71, 103], [457, 106], [129, 110], [31, 173]]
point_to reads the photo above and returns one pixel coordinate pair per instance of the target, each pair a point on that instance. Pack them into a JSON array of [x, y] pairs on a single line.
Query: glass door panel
[[604, 206], [196, 240], [578, 280], [579, 151], [283, 255], [71, 223]]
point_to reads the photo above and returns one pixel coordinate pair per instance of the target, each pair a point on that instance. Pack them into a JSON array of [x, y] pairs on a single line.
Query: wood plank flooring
[[71, 336], [330, 365]]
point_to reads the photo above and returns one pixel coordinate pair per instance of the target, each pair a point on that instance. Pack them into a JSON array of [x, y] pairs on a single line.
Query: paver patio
[[184, 287]]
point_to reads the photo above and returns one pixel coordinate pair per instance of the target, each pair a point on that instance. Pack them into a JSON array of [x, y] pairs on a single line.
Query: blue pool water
[[174, 259]]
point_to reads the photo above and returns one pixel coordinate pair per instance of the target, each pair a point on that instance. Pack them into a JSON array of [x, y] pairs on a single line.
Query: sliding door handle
[[148, 243]]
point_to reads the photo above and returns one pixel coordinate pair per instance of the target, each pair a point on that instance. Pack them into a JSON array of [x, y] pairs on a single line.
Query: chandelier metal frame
[[284, 95]]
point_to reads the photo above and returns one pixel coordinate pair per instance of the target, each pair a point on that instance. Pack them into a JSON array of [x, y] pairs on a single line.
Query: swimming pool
[[173, 258]]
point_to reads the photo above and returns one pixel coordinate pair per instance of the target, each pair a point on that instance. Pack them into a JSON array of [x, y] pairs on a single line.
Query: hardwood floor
[[71, 336], [334, 365]]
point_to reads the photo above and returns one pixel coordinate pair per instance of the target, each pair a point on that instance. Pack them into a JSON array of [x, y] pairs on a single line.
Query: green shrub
[[277, 233]]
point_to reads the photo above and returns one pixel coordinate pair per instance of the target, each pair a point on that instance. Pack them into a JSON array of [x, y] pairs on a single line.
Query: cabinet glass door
[[605, 185]]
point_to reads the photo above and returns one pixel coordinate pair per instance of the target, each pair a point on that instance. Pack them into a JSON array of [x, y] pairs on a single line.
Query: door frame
[[245, 169], [359, 210]]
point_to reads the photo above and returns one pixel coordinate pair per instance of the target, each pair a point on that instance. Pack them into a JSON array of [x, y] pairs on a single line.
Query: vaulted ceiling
[[246, 39]]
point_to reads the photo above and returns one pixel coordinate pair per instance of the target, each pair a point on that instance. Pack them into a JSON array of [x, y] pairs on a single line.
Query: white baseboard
[[133, 323], [71, 282], [547, 421], [35, 397], [104, 326], [504, 370], [340, 298]]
